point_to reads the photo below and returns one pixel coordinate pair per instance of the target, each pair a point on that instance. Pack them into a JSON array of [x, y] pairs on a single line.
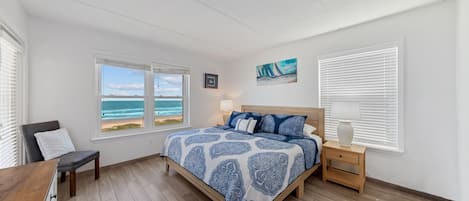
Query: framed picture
[[280, 72], [211, 81]]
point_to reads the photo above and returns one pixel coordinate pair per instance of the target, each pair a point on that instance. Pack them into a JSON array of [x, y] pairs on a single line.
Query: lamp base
[[345, 133]]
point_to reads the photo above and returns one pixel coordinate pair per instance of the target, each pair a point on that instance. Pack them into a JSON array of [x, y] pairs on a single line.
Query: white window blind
[[370, 77], [9, 134], [170, 69], [110, 62]]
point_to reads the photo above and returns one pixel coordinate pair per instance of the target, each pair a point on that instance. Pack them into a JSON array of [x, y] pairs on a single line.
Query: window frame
[[185, 100], [21, 113], [148, 97], [399, 44]]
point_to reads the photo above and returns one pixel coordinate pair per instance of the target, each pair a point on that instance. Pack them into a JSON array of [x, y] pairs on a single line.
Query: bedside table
[[353, 155]]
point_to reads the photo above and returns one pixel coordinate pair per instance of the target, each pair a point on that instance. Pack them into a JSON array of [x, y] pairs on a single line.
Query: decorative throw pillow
[[283, 124], [235, 116], [258, 117], [246, 125], [54, 143], [308, 130], [231, 122]]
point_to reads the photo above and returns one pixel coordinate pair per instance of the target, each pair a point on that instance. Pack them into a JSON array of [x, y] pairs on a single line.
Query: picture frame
[[211, 81], [280, 72]]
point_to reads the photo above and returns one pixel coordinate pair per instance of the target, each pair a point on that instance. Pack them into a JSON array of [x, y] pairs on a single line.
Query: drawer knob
[[340, 155]]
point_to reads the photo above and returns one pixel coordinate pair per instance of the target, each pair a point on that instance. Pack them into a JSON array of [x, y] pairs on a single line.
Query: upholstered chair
[[69, 162]]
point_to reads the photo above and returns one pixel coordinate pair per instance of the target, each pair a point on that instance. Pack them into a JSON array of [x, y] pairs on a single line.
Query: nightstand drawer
[[347, 157]]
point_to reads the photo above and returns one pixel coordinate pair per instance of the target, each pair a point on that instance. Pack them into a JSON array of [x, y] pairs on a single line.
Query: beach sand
[[119, 124]]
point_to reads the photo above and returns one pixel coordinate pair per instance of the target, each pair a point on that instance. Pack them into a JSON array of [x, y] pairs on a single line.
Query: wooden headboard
[[315, 115]]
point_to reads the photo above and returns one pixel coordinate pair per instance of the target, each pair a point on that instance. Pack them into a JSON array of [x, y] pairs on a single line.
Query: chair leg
[[63, 177], [73, 183], [166, 165], [96, 168]]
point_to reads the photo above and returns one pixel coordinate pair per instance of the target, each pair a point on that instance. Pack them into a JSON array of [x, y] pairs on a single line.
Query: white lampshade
[[226, 105], [345, 110]]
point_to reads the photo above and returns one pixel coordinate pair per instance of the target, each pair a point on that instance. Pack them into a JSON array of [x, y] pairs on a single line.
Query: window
[[171, 95], [169, 99], [139, 97], [372, 78], [122, 97], [10, 59]]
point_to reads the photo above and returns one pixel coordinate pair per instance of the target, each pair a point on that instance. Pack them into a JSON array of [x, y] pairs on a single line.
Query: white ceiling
[[222, 28]]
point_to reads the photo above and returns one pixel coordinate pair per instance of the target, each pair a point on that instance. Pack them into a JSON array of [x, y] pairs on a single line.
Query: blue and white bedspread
[[241, 166]]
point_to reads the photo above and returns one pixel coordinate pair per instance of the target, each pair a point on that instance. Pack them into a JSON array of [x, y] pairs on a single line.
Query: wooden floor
[[145, 180]]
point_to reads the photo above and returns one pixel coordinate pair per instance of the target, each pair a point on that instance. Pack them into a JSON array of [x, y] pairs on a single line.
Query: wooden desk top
[[28, 182]]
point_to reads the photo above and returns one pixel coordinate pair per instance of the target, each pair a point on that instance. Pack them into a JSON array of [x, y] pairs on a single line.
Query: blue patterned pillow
[[243, 115], [258, 117], [283, 124]]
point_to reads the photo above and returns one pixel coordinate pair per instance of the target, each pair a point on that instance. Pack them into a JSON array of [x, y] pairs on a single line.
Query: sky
[[130, 82]]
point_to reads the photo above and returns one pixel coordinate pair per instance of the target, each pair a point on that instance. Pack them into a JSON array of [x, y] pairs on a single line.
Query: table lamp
[[226, 106]]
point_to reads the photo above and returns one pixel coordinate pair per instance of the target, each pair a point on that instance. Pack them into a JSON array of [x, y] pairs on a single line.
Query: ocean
[[127, 109]]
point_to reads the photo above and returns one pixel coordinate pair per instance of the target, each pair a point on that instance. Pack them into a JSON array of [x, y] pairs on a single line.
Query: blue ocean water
[[127, 109]]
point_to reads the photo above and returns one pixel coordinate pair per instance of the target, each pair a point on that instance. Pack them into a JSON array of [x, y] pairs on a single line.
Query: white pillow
[[246, 125], [54, 143], [318, 141], [308, 130]]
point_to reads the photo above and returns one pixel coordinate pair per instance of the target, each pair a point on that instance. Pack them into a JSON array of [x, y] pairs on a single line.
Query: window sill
[[103, 137], [381, 147], [375, 146]]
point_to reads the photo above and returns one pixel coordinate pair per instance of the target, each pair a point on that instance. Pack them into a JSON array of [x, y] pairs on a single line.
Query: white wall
[[13, 14], [463, 96], [62, 84], [429, 162]]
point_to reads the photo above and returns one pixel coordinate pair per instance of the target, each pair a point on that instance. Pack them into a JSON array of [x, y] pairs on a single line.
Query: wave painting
[[280, 72]]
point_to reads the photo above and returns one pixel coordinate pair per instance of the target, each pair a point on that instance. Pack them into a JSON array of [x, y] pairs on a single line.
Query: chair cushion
[[32, 149], [54, 143], [74, 160]]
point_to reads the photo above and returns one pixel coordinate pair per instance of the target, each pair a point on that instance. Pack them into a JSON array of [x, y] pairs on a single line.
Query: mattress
[[242, 166]]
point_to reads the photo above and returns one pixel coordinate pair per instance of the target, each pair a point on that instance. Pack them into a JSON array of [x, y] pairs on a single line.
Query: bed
[[228, 165]]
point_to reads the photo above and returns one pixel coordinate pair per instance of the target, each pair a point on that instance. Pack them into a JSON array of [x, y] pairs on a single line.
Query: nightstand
[[353, 155]]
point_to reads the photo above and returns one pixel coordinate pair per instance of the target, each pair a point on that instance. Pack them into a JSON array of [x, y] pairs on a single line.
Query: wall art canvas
[[211, 81], [280, 72]]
